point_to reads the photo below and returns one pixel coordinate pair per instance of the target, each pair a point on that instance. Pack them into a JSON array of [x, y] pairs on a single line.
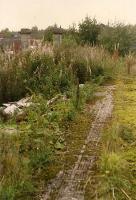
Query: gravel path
[[71, 184]]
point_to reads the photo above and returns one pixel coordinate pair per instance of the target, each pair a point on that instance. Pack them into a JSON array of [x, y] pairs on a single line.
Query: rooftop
[[25, 31], [57, 30]]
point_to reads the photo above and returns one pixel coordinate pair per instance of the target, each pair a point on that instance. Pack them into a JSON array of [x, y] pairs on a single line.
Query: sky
[[16, 14]]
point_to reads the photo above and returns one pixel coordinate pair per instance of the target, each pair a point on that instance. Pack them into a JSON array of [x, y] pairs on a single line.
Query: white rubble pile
[[10, 109]]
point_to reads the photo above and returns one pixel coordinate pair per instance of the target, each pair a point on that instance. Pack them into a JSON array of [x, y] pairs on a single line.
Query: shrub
[[126, 134], [7, 193], [81, 71], [89, 31]]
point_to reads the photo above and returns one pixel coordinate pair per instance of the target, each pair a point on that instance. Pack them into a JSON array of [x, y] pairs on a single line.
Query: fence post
[[77, 94]]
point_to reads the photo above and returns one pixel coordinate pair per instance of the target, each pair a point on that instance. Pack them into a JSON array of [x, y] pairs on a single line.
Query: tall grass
[[54, 73], [116, 177], [26, 155]]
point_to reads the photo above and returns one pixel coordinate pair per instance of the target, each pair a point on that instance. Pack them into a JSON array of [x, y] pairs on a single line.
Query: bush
[[97, 70], [89, 31], [117, 37], [7, 193], [126, 134], [81, 71]]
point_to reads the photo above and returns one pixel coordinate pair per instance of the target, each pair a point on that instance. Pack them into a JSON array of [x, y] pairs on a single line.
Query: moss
[[75, 135], [125, 103], [119, 137]]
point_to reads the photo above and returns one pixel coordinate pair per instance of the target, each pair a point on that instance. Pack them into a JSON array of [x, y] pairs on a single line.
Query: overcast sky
[[27, 13]]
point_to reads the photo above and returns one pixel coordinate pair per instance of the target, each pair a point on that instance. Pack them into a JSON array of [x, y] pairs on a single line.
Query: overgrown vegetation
[[113, 37], [52, 74], [72, 73], [118, 161], [29, 156], [35, 151]]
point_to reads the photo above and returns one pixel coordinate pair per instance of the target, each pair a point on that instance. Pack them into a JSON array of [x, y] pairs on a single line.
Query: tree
[[6, 32], [89, 31], [71, 35], [48, 34], [34, 29], [118, 37]]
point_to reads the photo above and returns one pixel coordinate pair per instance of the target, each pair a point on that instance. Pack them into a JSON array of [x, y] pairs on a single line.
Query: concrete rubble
[[9, 109]]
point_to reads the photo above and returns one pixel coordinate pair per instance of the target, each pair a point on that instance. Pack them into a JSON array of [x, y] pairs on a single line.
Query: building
[[10, 44], [18, 41], [57, 36], [25, 35]]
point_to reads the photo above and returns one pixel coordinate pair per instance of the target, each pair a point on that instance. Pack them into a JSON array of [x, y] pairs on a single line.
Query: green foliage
[[87, 92], [126, 133], [32, 73], [86, 95], [48, 34], [81, 71], [97, 70], [118, 160], [118, 37], [114, 166], [15, 172], [27, 155], [7, 193], [41, 157], [111, 139], [114, 179], [7, 33], [12, 86], [71, 35], [36, 72], [113, 37], [69, 40], [89, 31]]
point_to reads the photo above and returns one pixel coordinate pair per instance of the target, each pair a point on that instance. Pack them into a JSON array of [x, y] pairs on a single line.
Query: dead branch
[[125, 194]]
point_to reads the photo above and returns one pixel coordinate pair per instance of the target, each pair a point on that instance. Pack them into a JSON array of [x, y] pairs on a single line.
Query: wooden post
[[130, 63], [77, 94], [128, 68]]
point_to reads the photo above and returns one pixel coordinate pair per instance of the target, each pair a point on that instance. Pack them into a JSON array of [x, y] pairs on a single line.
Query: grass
[[36, 152], [75, 135], [117, 163]]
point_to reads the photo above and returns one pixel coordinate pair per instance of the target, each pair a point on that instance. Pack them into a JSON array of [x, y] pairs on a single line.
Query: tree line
[[113, 37]]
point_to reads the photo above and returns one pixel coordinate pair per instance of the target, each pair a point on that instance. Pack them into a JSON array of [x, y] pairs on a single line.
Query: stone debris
[[10, 109], [57, 97], [25, 102]]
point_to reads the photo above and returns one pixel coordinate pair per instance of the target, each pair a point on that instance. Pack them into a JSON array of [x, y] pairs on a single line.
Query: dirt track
[[71, 185]]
